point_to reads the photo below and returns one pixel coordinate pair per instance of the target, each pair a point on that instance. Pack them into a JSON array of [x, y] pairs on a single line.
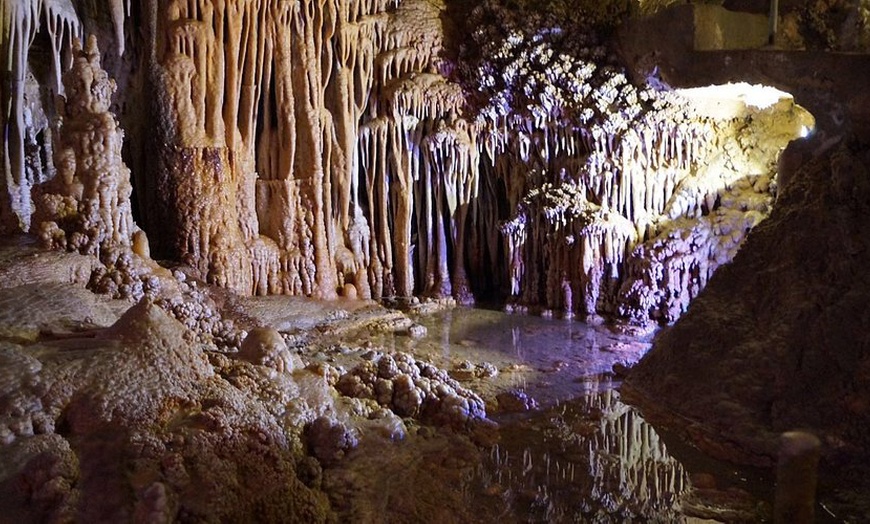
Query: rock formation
[[779, 330], [24, 119], [396, 149], [603, 177], [139, 406], [342, 147], [86, 207], [415, 389]]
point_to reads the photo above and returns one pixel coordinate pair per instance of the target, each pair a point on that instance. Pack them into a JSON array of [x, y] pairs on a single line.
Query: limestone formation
[[604, 178], [266, 347], [354, 148], [413, 389], [86, 206], [402, 151], [721, 200], [23, 117], [114, 425]]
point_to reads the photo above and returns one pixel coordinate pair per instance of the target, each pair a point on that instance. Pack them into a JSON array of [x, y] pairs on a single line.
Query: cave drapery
[[342, 147], [384, 148]]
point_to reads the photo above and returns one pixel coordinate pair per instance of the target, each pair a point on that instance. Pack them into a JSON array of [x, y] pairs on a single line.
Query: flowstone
[[378, 149], [86, 206]]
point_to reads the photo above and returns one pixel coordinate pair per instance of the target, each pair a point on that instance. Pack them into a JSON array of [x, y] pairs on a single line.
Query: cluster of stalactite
[[306, 148], [617, 465], [323, 148], [583, 201], [22, 117], [621, 200], [344, 167]]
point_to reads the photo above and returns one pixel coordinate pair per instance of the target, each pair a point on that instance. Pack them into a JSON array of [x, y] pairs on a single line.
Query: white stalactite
[[315, 148]]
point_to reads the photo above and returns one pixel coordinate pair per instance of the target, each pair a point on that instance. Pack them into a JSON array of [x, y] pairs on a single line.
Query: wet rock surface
[[310, 422], [413, 388], [356, 420]]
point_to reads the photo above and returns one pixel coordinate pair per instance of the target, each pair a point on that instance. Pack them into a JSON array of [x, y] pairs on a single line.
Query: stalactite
[[640, 157], [119, 10], [318, 148], [374, 164], [449, 178], [20, 23], [63, 26]]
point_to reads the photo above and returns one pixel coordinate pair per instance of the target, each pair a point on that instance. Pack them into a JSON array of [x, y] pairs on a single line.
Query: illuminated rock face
[[328, 147], [720, 199], [621, 200]]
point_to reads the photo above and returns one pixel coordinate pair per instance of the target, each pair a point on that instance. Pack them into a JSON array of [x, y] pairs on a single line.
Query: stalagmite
[[329, 148], [86, 207]]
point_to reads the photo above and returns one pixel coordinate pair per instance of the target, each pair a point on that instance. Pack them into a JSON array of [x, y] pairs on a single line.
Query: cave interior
[[534, 260]]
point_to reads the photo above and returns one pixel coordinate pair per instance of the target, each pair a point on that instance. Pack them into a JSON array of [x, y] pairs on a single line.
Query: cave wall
[[779, 335], [373, 149]]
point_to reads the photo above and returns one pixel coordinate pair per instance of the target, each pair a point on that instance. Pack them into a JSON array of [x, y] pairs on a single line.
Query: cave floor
[[559, 444]]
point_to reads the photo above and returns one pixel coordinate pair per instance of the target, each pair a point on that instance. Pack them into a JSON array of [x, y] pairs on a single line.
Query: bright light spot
[[763, 97], [805, 131], [734, 99], [755, 95]]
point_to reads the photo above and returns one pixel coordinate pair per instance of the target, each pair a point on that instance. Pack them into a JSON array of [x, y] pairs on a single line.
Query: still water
[[572, 452]]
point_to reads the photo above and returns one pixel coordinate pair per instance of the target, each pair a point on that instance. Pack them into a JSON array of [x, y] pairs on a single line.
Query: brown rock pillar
[[796, 478]]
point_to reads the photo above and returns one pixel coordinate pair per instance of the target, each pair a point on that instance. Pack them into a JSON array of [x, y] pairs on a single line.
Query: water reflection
[[589, 459], [581, 456], [548, 358]]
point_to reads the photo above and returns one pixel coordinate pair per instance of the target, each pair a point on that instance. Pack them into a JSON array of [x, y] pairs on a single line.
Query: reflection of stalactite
[[598, 457], [642, 465]]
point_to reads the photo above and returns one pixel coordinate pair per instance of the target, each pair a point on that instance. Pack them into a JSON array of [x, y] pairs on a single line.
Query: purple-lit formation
[[621, 200]]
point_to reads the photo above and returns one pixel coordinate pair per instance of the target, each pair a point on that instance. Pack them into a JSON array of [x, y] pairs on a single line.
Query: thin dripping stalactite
[[304, 199], [333, 147]]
